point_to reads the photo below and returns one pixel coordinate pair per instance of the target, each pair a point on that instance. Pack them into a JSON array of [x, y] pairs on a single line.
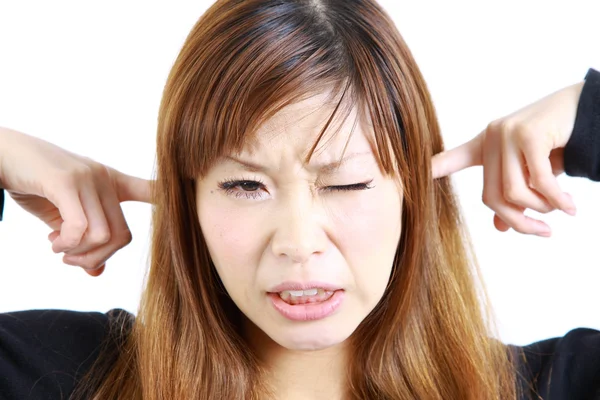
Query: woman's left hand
[[521, 155]]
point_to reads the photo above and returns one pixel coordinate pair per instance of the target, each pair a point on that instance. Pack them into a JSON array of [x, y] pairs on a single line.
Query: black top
[[44, 353]]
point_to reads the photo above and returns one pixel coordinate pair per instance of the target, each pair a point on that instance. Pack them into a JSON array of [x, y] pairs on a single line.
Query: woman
[[295, 149]]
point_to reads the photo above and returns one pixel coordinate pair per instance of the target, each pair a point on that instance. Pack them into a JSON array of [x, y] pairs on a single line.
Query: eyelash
[[229, 187]]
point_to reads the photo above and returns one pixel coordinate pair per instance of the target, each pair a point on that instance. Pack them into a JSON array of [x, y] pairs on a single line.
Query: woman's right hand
[[78, 198]]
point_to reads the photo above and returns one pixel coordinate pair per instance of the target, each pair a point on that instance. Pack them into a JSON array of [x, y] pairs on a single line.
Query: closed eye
[[354, 186]]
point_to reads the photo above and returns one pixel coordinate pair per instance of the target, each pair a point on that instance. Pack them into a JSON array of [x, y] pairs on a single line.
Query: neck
[[298, 374]]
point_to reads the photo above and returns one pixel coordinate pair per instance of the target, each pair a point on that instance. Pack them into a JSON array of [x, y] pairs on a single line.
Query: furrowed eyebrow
[[247, 165], [324, 168]]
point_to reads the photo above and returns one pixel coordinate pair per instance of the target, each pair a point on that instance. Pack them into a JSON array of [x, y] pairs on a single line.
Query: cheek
[[368, 236], [231, 237]]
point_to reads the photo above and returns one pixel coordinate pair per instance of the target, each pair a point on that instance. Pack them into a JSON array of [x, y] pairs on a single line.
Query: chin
[[310, 336]]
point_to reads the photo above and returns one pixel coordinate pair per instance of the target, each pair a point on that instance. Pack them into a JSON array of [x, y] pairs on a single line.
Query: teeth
[[298, 293]]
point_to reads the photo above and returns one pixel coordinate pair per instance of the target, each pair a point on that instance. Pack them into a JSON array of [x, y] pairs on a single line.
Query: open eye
[[243, 188]]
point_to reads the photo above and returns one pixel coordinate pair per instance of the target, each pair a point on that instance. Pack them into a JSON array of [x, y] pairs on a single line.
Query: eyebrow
[[322, 168]]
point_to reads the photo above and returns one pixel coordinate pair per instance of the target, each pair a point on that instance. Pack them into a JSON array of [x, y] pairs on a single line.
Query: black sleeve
[[582, 152], [1, 202], [43, 353], [566, 367]]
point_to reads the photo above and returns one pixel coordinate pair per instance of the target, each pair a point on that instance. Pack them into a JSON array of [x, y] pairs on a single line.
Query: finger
[[120, 235], [493, 197], [131, 188], [542, 178], [516, 219], [557, 160], [93, 272], [98, 231], [93, 259], [53, 235], [464, 156], [500, 224], [74, 219], [514, 181], [96, 272]]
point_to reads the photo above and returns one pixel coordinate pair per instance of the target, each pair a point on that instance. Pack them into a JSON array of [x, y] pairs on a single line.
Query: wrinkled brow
[[323, 168]]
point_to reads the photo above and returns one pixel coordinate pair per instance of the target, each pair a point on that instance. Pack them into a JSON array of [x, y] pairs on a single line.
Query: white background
[[89, 77]]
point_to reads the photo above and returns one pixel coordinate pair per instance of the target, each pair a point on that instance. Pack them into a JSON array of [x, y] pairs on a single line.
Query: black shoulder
[[566, 367], [43, 353]]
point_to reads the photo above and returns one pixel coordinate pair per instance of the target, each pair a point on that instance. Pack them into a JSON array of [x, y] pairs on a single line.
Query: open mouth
[[315, 295], [307, 305]]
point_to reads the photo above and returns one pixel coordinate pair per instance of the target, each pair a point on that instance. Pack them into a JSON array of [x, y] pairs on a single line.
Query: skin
[[48, 181], [297, 231], [521, 155], [291, 227]]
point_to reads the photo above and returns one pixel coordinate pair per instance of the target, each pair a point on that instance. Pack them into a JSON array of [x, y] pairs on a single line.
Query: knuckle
[[125, 237], [90, 265], [74, 238], [494, 126], [485, 199], [100, 236], [488, 199], [512, 194], [503, 126], [541, 181], [82, 171], [522, 129], [71, 177], [76, 229], [99, 170]]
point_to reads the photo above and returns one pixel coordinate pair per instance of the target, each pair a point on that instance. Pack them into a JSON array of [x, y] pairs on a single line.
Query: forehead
[[297, 127]]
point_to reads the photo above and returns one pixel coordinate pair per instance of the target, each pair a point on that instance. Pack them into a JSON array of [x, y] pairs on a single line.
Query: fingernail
[[570, 208], [544, 230]]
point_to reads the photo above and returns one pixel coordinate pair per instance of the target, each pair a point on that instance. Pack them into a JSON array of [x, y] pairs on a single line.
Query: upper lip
[[291, 285]]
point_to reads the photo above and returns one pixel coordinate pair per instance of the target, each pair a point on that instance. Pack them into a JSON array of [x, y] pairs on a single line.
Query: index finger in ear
[[131, 188], [466, 155]]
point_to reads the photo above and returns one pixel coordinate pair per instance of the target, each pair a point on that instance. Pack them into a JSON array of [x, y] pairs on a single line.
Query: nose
[[299, 230]]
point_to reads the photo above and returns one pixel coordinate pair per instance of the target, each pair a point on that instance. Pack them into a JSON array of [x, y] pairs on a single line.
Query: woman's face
[[269, 220]]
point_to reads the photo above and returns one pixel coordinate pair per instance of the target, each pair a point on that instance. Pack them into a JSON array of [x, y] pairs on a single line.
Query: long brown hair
[[431, 335]]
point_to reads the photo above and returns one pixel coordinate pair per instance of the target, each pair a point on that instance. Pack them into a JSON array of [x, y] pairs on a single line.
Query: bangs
[[238, 70]]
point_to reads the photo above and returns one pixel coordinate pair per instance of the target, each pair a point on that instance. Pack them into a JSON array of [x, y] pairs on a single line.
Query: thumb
[[131, 188], [466, 155]]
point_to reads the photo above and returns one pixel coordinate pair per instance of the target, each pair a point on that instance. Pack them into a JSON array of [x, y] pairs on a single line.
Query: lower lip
[[308, 312]]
